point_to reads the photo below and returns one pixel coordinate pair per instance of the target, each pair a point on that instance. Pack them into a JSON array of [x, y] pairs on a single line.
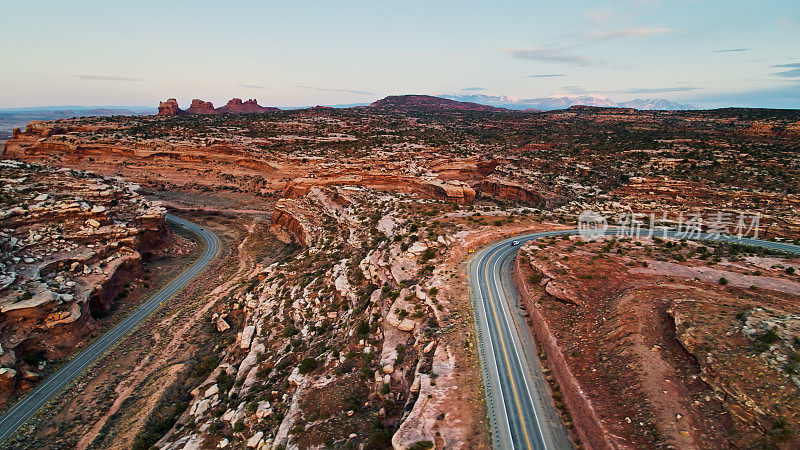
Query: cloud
[[731, 50], [105, 78], [473, 89], [347, 91], [562, 55], [793, 72], [251, 86], [656, 90], [556, 55], [634, 32], [599, 17], [546, 75], [575, 89]]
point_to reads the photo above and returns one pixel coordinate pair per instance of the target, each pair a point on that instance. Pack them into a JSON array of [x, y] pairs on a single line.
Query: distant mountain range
[[19, 117], [563, 101]]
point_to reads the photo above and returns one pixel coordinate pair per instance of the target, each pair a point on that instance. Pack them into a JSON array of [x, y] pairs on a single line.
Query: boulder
[[222, 325], [255, 439], [295, 378], [264, 410], [247, 336], [200, 407], [214, 389]]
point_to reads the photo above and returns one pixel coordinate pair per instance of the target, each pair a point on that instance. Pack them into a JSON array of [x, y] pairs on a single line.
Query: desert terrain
[[672, 341], [338, 315]]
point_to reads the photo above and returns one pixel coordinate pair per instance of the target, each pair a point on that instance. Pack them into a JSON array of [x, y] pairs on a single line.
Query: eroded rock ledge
[[69, 243]]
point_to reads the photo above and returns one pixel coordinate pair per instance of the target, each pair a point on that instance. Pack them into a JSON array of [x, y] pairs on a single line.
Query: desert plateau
[[406, 226]]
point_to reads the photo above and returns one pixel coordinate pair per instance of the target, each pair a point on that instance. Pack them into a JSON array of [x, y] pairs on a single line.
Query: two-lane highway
[[522, 414], [31, 403], [521, 411]]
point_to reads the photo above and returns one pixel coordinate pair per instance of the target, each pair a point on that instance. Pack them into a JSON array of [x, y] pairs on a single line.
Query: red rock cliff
[[288, 217], [169, 108], [237, 106], [498, 188], [200, 107]]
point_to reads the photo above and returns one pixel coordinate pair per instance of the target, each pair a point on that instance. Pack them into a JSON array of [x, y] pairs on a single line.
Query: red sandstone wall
[[510, 192], [591, 432], [287, 221]]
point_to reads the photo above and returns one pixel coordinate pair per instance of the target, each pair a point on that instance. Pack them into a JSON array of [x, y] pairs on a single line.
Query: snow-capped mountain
[[560, 101], [654, 103], [563, 101]]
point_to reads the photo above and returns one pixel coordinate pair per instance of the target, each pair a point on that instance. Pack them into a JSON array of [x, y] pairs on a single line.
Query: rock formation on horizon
[[237, 106], [169, 108], [234, 106], [200, 107]]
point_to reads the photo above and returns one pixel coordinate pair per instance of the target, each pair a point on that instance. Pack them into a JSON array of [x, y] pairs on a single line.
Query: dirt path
[[173, 343], [658, 374]]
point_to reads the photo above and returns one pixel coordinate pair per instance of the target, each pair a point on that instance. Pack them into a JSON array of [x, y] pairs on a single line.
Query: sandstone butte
[[234, 106], [237, 106]]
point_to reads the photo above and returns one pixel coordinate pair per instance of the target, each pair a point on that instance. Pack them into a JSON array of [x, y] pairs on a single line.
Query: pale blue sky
[[705, 52]]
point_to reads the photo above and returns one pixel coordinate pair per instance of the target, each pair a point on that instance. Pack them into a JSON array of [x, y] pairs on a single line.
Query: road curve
[[31, 403], [520, 409]]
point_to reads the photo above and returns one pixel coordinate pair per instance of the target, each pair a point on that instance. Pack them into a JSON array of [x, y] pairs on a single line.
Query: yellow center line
[[505, 354]]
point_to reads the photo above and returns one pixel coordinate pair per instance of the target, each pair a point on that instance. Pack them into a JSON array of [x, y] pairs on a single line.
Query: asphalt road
[[31, 403], [521, 411]]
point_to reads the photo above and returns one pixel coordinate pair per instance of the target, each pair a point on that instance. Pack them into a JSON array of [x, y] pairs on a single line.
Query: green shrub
[[421, 445], [535, 278], [769, 337], [427, 255], [307, 365], [363, 328], [290, 331]]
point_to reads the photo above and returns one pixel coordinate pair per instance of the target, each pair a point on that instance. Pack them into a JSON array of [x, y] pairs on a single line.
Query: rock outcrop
[[502, 189], [450, 191], [234, 106], [70, 242], [200, 107], [292, 221], [169, 108], [237, 106], [365, 337]]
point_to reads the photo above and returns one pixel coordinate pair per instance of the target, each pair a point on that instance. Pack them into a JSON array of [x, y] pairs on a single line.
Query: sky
[[709, 53]]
